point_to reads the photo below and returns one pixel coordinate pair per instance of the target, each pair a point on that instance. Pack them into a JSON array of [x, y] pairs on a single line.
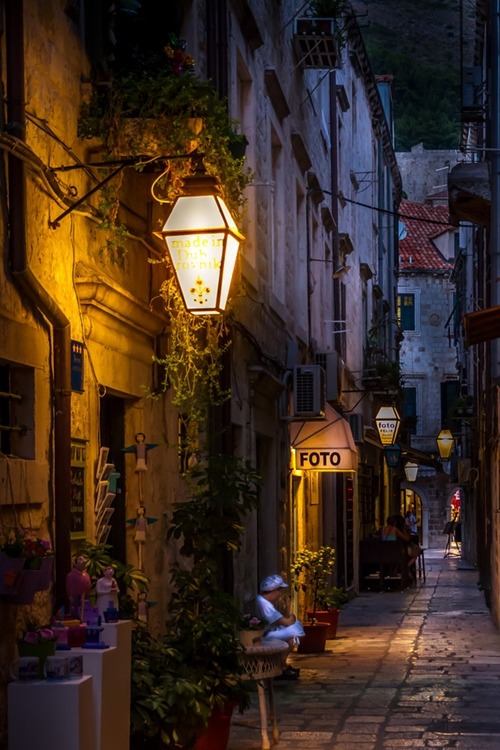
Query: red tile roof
[[423, 223]]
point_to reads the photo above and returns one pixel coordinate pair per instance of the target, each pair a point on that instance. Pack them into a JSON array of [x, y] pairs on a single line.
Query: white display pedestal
[[47, 715], [110, 670]]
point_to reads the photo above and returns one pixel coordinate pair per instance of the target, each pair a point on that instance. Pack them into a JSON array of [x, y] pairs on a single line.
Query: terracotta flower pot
[[327, 615], [314, 641], [215, 736]]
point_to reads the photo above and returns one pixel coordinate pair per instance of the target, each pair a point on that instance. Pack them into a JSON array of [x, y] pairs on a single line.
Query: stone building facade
[[82, 324], [429, 352]]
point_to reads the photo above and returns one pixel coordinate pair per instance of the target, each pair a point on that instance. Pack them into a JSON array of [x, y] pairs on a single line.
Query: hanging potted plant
[[163, 110], [312, 570], [28, 562]]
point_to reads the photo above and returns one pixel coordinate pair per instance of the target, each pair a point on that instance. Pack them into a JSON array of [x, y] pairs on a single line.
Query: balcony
[[316, 42], [381, 374]]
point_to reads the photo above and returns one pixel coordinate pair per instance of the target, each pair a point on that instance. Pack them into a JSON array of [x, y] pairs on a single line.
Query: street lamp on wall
[[411, 471], [392, 455], [445, 442], [387, 421], [202, 241]]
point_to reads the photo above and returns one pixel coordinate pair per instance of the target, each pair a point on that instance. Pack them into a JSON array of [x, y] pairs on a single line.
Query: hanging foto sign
[[387, 421], [321, 459]]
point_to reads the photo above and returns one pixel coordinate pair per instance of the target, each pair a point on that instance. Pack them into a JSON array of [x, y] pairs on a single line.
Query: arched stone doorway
[[414, 496]]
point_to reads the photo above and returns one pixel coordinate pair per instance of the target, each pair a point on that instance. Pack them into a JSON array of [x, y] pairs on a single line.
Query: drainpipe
[[31, 288], [334, 188], [495, 179]]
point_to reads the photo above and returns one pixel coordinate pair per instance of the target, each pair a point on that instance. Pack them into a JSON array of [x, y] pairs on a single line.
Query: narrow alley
[[416, 669]]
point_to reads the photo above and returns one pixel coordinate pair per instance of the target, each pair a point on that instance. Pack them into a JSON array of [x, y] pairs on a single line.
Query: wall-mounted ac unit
[[308, 391], [329, 361], [356, 425]]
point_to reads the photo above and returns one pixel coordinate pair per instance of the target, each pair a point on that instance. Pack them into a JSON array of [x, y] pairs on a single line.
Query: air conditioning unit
[[308, 391], [329, 361], [356, 425]]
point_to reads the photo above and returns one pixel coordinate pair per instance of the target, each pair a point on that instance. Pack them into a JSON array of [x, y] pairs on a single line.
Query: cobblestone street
[[412, 669]]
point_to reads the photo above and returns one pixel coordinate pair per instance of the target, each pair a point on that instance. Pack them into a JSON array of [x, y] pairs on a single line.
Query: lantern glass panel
[[445, 441], [411, 471]]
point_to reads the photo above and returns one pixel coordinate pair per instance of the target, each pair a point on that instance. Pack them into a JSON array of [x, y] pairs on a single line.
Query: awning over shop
[[482, 325], [326, 445]]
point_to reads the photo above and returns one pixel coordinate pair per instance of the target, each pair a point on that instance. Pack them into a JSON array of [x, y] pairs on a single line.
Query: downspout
[[38, 296], [334, 188], [495, 179]]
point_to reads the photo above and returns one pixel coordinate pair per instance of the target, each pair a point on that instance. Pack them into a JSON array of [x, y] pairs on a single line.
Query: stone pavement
[[412, 669]]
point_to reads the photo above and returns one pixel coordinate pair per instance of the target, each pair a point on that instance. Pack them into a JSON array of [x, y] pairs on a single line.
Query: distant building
[[428, 355]]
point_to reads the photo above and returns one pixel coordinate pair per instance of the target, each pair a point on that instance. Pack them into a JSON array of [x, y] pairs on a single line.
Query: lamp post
[[445, 442], [202, 241], [411, 471], [387, 421]]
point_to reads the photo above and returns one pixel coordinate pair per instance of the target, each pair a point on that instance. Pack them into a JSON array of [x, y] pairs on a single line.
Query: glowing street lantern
[[411, 471], [202, 241], [387, 421], [445, 442]]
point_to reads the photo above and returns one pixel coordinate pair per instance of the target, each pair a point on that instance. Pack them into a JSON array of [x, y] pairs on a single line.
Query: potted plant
[[186, 684], [160, 110], [251, 629], [312, 570], [26, 563]]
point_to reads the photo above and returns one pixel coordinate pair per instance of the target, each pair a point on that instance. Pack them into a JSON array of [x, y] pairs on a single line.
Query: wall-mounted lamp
[[387, 421], [202, 240], [445, 442], [392, 455], [411, 471]]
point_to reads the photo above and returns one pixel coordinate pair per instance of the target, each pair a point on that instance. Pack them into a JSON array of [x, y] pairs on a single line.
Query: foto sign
[[323, 459]]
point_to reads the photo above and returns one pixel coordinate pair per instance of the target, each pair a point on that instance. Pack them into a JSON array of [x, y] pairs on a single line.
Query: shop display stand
[[53, 714]]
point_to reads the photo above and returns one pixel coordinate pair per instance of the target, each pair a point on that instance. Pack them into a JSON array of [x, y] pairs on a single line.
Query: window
[[16, 410], [450, 392], [410, 409], [406, 312]]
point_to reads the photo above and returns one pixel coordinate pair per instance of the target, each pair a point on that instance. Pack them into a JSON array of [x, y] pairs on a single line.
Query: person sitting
[[395, 528], [282, 626], [390, 531], [413, 548]]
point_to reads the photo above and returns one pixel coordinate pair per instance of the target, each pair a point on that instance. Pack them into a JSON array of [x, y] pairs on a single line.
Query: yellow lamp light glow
[[202, 241], [445, 442], [387, 421]]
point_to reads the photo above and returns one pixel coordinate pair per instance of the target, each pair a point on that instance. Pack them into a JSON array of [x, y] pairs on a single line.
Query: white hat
[[271, 583]]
